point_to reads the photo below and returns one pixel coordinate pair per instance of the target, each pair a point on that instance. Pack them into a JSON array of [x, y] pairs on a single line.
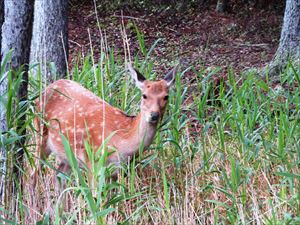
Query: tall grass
[[223, 154]]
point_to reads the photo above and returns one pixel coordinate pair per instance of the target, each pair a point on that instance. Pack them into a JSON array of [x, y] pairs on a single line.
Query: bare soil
[[244, 39]]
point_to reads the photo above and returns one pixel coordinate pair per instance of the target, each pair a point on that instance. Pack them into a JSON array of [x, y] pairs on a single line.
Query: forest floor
[[245, 39]]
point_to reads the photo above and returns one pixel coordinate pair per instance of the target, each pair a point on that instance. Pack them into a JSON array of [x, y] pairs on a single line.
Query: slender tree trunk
[[2, 117], [222, 6], [289, 45], [1, 22], [50, 37], [16, 36]]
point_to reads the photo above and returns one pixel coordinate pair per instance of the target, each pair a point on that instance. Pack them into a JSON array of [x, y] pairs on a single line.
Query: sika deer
[[80, 115]]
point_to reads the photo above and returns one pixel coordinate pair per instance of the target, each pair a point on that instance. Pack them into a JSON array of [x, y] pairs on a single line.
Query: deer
[[70, 109]]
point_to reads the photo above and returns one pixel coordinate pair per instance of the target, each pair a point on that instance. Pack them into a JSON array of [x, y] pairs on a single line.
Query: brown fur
[[79, 115]]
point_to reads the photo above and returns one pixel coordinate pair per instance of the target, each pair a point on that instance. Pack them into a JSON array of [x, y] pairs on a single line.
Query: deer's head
[[154, 93]]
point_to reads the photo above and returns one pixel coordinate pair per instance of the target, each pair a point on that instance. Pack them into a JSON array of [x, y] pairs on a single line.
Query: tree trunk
[[1, 22], [17, 30], [2, 118], [16, 35], [289, 45], [50, 37], [222, 6]]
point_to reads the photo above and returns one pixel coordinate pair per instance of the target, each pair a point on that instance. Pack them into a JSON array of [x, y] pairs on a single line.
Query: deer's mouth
[[152, 120]]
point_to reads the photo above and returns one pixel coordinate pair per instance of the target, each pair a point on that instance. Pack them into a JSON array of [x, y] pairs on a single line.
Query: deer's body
[[80, 115]]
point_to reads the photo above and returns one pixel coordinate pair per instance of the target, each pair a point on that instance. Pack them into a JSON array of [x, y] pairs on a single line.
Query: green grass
[[224, 154]]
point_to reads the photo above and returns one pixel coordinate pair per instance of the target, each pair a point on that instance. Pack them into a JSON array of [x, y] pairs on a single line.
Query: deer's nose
[[154, 116]]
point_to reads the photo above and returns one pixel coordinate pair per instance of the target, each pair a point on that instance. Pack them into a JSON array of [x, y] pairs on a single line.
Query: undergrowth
[[223, 154]]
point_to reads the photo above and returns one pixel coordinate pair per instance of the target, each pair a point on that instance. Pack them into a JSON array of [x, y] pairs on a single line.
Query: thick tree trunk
[[16, 36], [289, 45], [17, 31], [50, 37]]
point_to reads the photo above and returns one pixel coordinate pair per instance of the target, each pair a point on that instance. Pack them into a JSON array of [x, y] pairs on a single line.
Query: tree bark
[[2, 117], [16, 36], [222, 6], [1, 22], [17, 30], [289, 45], [50, 37]]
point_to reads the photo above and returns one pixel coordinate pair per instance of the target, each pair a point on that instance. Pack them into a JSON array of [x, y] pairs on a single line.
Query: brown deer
[[78, 114]]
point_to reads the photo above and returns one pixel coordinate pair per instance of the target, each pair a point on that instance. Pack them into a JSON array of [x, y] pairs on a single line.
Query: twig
[[262, 45], [76, 43]]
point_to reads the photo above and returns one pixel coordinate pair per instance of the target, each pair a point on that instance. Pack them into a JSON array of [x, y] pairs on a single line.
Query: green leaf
[[290, 175]]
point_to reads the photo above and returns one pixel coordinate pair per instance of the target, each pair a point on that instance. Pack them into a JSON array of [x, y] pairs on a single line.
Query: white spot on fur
[[68, 128], [54, 126], [79, 130]]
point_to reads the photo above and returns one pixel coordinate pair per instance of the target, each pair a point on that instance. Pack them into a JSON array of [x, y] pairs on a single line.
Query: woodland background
[[228, 150]]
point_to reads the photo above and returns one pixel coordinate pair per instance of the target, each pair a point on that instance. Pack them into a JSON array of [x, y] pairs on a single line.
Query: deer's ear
[[137, 77], [170, 77]]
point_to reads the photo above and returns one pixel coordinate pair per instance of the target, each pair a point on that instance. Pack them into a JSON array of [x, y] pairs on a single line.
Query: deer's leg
[[65, 168]]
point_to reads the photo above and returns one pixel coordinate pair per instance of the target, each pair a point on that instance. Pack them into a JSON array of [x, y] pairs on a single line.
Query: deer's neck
[[141, 134]]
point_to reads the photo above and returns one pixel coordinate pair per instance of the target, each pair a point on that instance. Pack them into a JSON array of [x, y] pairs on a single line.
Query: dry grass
[[197, 195]]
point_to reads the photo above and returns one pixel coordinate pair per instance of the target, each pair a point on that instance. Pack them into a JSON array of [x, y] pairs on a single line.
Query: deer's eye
[[144, 96], [166, 97]]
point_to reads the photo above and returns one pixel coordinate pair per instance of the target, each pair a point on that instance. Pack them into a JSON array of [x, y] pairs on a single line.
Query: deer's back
[[80, 116]]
